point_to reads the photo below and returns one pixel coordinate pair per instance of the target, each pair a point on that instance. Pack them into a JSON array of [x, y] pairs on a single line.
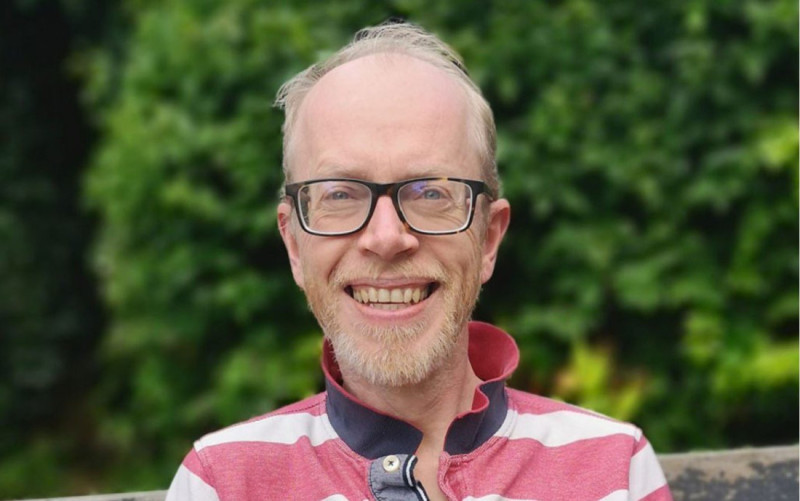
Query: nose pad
[[386, 235]]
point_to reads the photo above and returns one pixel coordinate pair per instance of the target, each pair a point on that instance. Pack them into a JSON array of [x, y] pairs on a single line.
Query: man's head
[[394, 301]]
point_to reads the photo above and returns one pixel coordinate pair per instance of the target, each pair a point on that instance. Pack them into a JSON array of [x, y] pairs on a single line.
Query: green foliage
[[649, 154]]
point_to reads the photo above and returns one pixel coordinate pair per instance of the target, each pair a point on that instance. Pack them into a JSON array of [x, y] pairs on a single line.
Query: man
[[392, 222]]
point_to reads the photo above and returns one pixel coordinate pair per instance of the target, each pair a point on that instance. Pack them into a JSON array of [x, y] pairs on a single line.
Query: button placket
[[391, 479]]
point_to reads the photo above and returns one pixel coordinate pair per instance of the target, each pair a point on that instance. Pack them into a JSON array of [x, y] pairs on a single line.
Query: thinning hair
[[410, 40]]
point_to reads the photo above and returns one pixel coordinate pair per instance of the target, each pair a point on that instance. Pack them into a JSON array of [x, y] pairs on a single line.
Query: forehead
[[387, 116]]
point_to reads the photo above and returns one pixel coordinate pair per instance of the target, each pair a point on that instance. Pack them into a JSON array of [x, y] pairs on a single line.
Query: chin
[[394, 356]]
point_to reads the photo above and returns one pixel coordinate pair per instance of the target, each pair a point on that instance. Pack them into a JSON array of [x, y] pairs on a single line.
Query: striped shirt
[[511, 446]]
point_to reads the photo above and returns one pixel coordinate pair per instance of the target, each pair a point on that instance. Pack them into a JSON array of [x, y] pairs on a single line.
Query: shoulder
[[263, 457], [287, 425], [556, 423], [575, 452]]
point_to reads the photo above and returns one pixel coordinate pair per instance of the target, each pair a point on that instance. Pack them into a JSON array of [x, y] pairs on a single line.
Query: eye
[[338, 195], [340, 192], [425, 190], [431, 194]]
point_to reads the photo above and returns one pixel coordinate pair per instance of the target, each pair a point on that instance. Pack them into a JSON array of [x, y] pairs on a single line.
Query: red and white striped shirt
[[511, 446]]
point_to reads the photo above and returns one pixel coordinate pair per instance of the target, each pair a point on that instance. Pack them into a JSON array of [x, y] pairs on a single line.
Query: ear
[[287, 231], [496, 226]]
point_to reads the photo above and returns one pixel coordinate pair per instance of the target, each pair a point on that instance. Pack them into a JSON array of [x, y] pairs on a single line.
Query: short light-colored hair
[[410, 40]]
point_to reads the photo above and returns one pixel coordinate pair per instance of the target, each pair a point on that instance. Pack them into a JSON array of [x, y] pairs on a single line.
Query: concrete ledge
[[759, 474]]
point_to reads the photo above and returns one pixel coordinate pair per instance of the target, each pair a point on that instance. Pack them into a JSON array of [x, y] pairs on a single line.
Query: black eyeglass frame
[[392, 190]]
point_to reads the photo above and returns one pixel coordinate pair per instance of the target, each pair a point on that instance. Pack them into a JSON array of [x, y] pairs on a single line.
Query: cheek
[[475, 245], [319, 257], [462, 255]]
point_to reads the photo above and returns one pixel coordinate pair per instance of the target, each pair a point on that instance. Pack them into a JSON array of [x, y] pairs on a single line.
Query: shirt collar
[[372, 434]]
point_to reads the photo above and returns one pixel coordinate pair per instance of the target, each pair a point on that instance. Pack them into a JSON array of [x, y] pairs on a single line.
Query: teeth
[[409, 295]]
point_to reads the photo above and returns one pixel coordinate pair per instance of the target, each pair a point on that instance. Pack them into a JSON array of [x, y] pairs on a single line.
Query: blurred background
[[649, 151]]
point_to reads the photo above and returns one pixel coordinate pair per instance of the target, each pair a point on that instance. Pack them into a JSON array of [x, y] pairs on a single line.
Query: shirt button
[[391, 463]]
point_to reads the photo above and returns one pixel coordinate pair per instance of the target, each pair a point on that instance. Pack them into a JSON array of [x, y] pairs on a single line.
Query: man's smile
[[390, 298]]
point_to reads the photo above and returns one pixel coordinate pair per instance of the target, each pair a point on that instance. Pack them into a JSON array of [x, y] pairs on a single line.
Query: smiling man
[[392, 221]]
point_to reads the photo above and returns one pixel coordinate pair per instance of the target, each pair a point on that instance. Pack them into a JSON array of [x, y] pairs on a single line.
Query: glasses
[[430, 205]]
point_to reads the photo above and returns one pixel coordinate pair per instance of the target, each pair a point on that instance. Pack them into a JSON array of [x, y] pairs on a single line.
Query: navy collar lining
[[372, 434]]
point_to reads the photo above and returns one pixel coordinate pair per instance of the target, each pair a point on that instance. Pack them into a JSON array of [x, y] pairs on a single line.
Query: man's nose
[[386, 235]]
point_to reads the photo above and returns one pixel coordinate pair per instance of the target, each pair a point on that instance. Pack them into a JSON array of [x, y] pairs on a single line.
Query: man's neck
[[431, 405]]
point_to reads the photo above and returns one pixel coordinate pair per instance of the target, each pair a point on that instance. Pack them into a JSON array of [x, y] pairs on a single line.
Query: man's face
[[394, 304]]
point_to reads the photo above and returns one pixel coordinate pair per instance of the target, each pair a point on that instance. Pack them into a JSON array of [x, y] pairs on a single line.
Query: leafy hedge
[[649, 153]]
